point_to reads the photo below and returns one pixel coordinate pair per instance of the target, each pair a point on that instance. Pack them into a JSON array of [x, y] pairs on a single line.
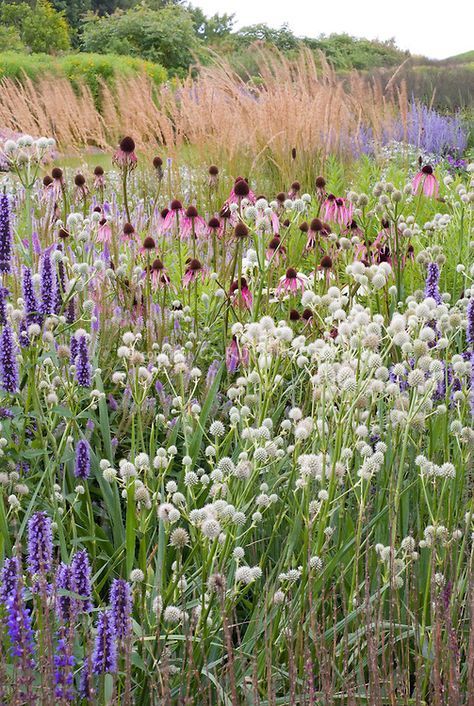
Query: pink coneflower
[[275, 250], [294, 190], [148, 245], [246, 300], [427, 180], [337, 210], [81, 189], [99, 178], [240, 190], [194, 270], [214, 227], [104, 231], [291, 282], [159, 275], [235, 356], [320, 188], [213, 176], [173, 217], [192, 223], [316, 229], [56, 185], [124, 156]]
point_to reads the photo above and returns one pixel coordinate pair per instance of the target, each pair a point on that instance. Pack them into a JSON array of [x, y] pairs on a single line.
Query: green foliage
[[166, 36], [39, 26], [346, 52], [91, 69]]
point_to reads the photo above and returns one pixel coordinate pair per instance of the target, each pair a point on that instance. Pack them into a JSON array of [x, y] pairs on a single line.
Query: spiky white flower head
[[137, 576]]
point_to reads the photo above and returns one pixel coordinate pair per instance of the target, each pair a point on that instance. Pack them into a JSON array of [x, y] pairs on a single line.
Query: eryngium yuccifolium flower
[[179, 538], [9, 378], [81, 580], [121, 607], [40, 544], [104, 658], [217, 429], [82, 465], [5, 235], [137, 576]]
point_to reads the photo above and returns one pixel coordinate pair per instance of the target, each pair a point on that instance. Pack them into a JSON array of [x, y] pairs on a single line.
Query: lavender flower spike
[[432, 283], [9, 579], [40, 544], [121, 606], [4, 293], [81, 580], [83, 367], [82, 466], [8, 364], [33, 314], [5, 235], [48, 286], [104, 659], [470, 323], [19, 630]]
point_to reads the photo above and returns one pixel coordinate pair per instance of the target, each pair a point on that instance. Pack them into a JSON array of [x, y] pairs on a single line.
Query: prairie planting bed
[[236, 432]]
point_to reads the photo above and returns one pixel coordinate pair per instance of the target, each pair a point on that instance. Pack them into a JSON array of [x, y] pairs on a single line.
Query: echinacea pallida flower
[[291, 282], [426, 180]]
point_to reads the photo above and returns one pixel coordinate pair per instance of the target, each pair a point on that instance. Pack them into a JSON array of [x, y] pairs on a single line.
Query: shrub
[[165, 36], [91, 69]]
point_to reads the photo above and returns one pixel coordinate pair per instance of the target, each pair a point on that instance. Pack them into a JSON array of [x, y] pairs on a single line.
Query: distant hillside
[[466, 58]]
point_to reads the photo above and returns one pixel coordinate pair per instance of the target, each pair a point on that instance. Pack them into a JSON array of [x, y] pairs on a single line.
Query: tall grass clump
[[235, 428]]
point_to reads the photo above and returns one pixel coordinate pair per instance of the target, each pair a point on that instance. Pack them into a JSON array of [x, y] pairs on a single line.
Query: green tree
[[211, 29], [39, 26], [165, 36]]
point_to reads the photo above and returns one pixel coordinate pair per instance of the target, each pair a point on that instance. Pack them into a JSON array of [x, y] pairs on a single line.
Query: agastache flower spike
[[48, 286], [121, 606], [104, 659], [5, 235], [9, 377], [20, 631], [82, 466], [83, 367], [432, 283], [33, 314], [470, 323], [81, 580], [8, 579], [40, 544], [4, 293], [64, 582]]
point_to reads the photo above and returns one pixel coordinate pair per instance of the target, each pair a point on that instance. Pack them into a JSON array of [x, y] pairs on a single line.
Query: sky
[[434, 28]]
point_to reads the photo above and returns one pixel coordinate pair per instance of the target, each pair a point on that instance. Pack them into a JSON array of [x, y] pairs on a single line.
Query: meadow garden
[[236, 387]]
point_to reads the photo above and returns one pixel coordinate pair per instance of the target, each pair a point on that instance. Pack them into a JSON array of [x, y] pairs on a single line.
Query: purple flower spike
[[81, 580], [82, 466], [9, 579], [48, 286], [5, 235], [64, 582], [8, 364], [40, 544], [470, 322], [63, 671], [19, 631], [121, 606], [83, 367], [4, 293], [32, 308], [432, 283], [104, 659]]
